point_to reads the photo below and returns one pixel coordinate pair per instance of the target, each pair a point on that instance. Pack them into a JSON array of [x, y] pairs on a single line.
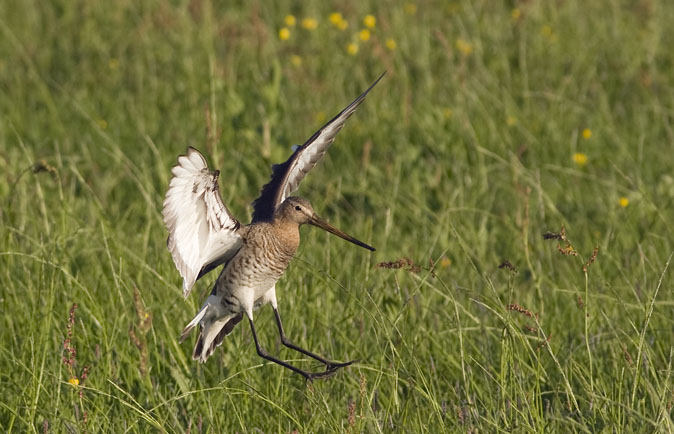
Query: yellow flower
[[335, 18], [511, 120], [391, 44], [309, 23], [352, 49], [113, 63], [464, 47], [338, 21], [296, 60], [445, 262], [587, 133], [515, 14], [290, 20], [624, 202], [102, 124], [74, 381], [364, 35], [447, 113], [320, 117], [410, 8], [370, 21], [284, 34], [547, 33], [579, 158]]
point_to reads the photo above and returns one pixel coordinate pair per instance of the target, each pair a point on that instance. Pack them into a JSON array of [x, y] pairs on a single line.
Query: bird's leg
[[330, 366], [262, 353]]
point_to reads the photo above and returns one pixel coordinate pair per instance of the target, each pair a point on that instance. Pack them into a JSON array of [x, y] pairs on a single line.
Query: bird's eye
[[298, 208]]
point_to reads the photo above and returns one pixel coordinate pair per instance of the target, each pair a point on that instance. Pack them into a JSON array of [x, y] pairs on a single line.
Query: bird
[[204, 235]]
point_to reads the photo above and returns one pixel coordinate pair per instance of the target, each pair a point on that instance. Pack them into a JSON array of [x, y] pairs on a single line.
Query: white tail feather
[[212, 318], [188, 328], [205, 343]]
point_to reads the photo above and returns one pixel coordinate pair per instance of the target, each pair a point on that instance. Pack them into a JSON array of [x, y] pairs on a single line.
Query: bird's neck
[[288, 233]]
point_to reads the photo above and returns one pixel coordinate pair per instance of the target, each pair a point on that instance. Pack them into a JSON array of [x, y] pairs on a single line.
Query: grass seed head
[[521, 309], [544, 343], [552, 236], [403, 263], [627, 356], [508, 266], [42, 166], [138, 331], [591, 260], [561, 235], [567, 250], [71, 352], [352, 412]]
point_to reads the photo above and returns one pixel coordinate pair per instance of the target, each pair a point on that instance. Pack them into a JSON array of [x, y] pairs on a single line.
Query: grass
[[463, 155]]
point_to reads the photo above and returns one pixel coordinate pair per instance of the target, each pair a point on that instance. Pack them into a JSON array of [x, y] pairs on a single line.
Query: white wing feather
[[314, 152], [201, 229]]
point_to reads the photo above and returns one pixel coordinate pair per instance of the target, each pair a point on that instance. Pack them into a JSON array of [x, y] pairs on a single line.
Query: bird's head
[[299, 211], [295, 209]]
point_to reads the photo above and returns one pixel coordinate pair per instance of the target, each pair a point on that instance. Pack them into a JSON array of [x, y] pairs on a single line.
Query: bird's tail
[[213, 327]]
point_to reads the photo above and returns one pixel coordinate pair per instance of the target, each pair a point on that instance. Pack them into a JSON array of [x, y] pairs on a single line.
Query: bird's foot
[[330, 370], [333, 366], [311, 376]]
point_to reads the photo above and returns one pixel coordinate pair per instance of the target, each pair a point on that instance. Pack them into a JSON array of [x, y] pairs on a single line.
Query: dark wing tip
[[354, 104], [377, 80], [265, 205]]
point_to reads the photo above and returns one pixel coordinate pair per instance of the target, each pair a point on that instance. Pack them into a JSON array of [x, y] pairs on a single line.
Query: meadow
[[513, 170]]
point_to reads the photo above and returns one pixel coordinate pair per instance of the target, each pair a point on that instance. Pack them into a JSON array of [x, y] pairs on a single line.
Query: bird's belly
[[248, 278]]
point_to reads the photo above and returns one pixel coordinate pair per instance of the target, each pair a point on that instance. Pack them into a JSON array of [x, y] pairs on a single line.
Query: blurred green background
[[495, 123]]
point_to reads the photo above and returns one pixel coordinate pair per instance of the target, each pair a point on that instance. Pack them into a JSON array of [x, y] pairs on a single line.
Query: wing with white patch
[[202, 232], [286, 177]]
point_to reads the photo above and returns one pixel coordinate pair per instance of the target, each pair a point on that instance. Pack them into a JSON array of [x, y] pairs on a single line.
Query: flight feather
[[202, 231], [286, 177]]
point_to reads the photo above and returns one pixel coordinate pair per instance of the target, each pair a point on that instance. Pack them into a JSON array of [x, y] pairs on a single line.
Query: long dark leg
[[262, 353], [330, 366]]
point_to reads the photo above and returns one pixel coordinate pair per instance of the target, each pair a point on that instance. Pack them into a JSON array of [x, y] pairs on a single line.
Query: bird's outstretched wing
[[202, 232], [286, 177]]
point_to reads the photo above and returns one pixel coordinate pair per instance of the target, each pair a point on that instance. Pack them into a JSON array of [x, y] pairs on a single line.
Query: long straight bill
[[318, 222]]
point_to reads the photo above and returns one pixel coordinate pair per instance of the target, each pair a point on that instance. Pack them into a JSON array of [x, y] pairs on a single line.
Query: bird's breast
[[263, 258]]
